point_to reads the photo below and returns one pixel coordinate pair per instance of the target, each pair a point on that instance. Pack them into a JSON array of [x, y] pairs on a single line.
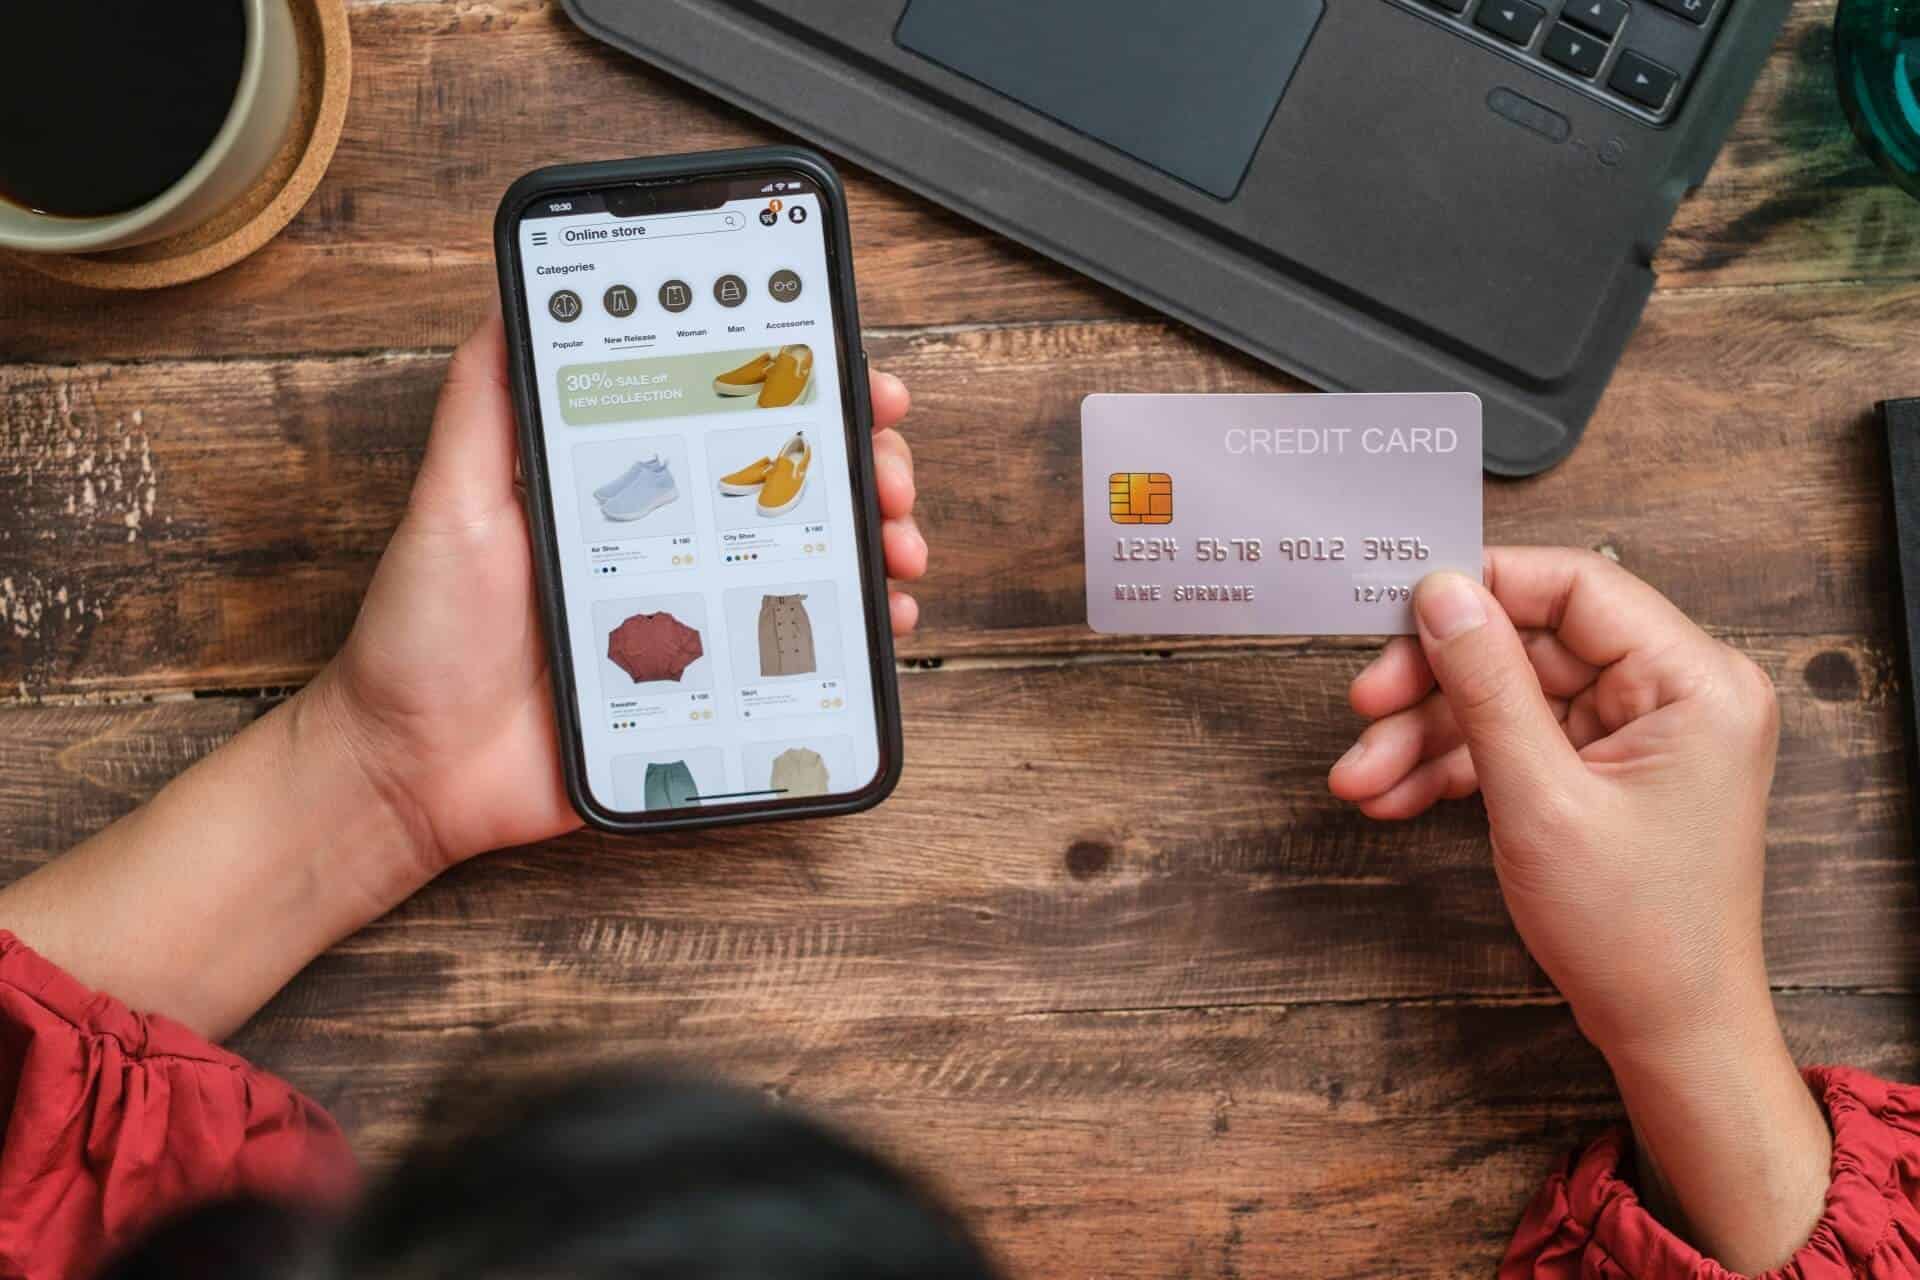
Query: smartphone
[[695, 441]]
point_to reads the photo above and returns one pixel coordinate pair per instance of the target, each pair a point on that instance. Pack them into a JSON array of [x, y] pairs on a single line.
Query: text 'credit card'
[[1275, 514]]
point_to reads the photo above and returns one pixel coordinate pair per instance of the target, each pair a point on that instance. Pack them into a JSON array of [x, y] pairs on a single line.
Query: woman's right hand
[[1625, 757]]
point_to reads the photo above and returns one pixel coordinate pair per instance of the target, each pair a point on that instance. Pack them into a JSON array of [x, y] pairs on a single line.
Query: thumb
[[1519, 750], [467, 474]]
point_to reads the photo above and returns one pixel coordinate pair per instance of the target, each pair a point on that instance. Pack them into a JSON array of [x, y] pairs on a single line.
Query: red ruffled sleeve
[[1586, 1223], [114, 1119]]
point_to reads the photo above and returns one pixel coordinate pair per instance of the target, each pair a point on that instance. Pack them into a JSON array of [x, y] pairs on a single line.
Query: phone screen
[[700, 456]]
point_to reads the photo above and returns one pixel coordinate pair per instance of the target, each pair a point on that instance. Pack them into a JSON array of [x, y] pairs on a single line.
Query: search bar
[[688, 224]]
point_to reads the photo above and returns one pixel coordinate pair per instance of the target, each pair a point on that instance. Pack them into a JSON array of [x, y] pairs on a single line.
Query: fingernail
[[1354, 752], [1448, 606]]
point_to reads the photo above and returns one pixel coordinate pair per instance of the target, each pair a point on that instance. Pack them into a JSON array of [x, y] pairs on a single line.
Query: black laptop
[[1374, 195]]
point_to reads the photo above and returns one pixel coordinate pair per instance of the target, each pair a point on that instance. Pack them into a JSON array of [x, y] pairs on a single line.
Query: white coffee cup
[[240, 152]]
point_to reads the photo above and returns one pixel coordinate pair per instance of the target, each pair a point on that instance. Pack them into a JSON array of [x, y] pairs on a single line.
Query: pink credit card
[[1292, 515]]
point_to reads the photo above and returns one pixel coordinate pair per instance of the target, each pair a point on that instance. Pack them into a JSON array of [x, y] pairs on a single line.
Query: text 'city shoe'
[[788, 479], [786, 381], [745, 380], [624, 479], [650, 489], [747, 480]]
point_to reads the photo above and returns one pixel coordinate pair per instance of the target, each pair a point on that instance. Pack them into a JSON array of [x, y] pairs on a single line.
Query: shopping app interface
[[691, 404]]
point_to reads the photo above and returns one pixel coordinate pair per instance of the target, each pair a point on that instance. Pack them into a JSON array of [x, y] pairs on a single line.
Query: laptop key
[[1514, 20], [1575, 50], [1602, 17], [1695, 11], [1451, 6], [1642, 79]]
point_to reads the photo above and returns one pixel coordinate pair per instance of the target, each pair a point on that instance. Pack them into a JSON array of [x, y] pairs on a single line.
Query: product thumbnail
[[786, 636], [653, 646], [777, 483], [640, 490], [670, 785], [798, 771]]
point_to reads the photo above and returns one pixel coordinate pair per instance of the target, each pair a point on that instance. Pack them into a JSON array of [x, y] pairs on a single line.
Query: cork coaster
[[320, 110]]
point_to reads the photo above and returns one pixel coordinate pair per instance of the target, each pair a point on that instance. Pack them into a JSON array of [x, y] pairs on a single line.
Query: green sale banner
[[675, 386]]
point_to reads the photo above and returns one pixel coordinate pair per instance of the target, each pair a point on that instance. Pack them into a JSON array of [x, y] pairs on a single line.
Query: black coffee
[[104, 104]]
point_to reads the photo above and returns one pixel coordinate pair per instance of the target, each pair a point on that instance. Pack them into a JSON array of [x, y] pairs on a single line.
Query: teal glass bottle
[[1876, 56]]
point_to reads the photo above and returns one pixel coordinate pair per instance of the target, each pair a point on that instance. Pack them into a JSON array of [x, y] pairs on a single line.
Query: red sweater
[[115, 1119]]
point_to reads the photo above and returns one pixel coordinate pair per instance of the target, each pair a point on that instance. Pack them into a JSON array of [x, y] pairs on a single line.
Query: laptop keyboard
[[1636, 55]]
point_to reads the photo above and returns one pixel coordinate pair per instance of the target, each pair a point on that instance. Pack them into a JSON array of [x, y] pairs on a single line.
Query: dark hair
[[630, 1175]]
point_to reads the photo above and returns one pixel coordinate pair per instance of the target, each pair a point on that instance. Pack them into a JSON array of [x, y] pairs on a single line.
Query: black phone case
[[853, 373]]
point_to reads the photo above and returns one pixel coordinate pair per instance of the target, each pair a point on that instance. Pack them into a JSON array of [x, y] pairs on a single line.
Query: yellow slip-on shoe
[[745, 380], [788, 479], [787, 380], [748, 479]]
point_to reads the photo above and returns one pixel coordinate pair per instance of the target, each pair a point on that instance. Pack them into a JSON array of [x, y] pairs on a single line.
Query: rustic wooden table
[[1112, 966]]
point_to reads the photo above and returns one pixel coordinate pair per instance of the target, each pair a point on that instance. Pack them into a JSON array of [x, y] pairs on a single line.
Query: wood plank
[[1223, 1143], [1792, 198], [1085, 836], [453, 101], [213, 524]]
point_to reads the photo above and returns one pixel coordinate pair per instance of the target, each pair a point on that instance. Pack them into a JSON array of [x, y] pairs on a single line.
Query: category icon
[[676, 296], [564, 306], [620, 301], [783, 285]]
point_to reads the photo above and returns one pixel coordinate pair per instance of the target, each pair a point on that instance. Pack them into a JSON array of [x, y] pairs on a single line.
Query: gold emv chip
[[1140, 497]]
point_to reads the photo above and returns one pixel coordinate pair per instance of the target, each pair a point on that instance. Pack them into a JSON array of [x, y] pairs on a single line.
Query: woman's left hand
[[441, 693]]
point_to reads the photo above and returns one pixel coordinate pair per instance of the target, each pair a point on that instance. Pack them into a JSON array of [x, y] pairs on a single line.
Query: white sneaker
[[650, 489], [622, 480]]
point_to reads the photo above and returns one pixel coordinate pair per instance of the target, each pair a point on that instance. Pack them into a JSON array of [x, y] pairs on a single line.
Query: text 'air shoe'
[[650, 489], [745, 380], [786, 381], [788, 479], [747, 480]]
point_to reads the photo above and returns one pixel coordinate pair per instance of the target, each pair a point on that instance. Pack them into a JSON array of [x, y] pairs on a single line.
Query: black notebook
[[1902, 421]]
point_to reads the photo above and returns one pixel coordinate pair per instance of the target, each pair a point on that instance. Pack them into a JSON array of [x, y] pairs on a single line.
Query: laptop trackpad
[[1186, 88]]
